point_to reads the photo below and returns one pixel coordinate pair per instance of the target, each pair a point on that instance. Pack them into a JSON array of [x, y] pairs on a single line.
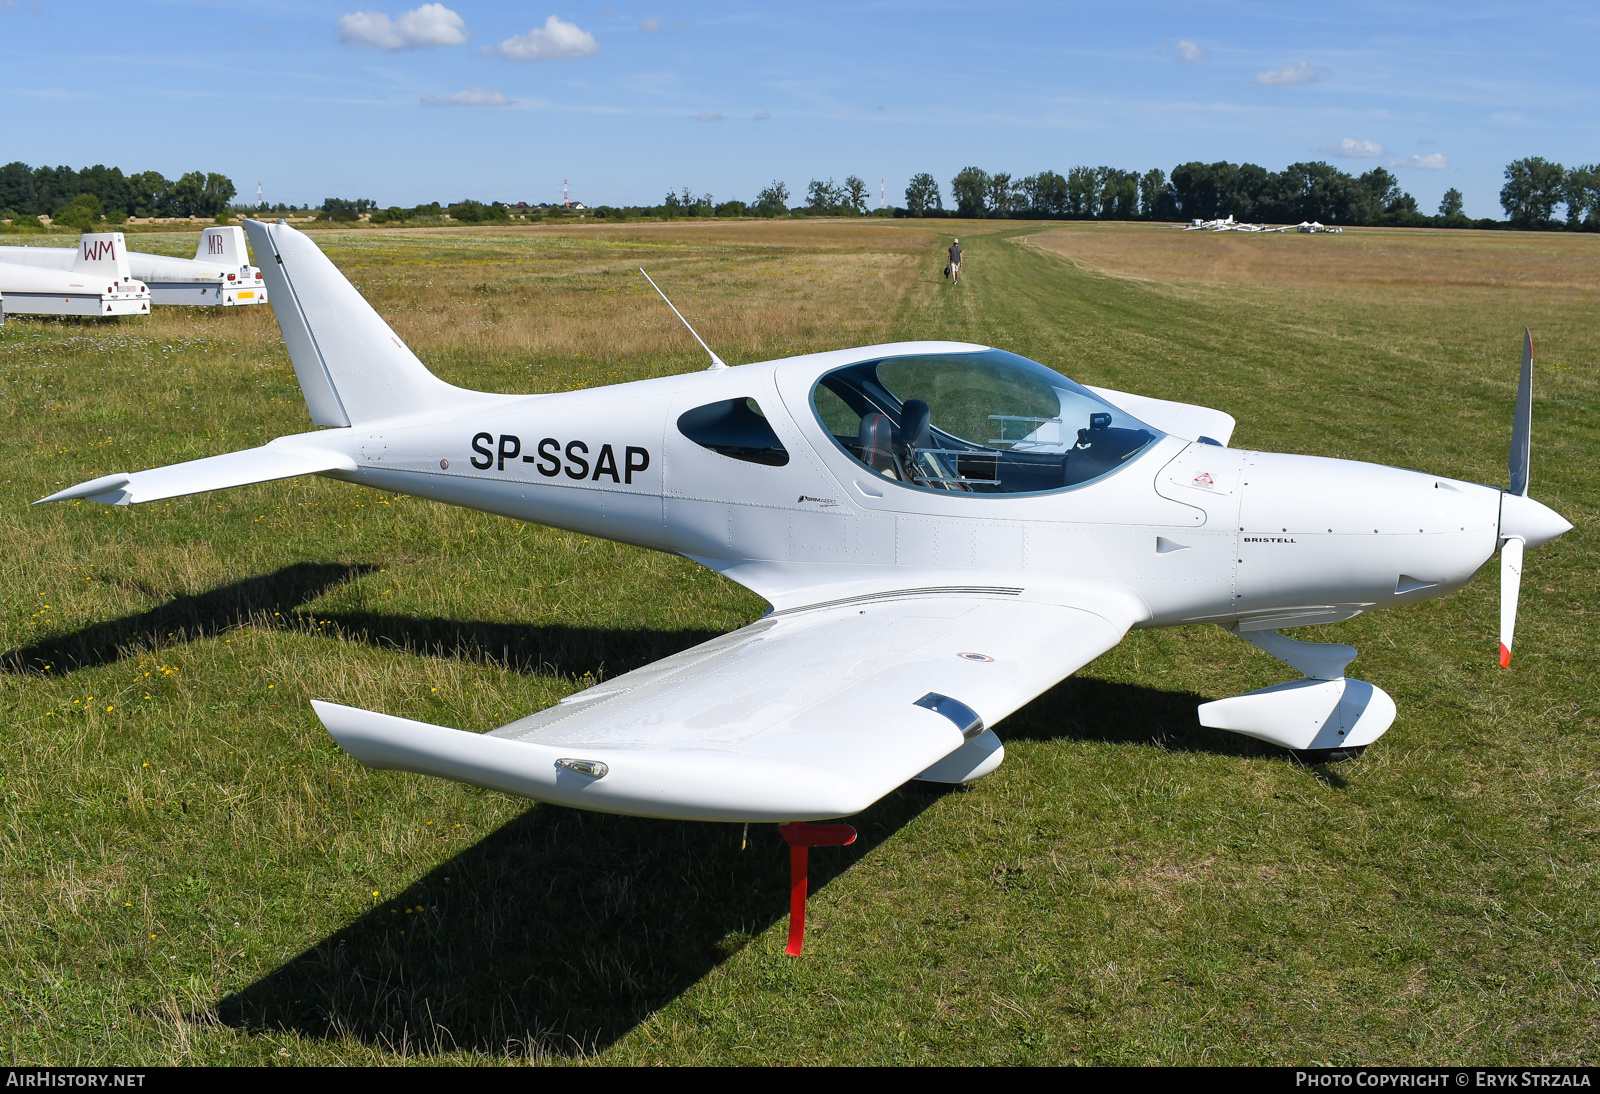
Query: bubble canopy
[[984, 422]]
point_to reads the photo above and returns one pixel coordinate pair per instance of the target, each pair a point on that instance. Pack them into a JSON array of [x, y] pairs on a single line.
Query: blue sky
[[503, 101]]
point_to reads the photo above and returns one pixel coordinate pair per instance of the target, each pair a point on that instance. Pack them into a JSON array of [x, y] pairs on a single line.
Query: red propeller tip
[[1505, 656]]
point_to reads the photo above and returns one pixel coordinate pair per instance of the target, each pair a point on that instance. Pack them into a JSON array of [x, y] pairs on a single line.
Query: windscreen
[[988, 422]]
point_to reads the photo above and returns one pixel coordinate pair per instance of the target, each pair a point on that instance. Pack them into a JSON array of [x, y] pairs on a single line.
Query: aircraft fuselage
[[1189, 532]]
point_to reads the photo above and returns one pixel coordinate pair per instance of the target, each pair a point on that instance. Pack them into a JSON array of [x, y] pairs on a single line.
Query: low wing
[[282, 459], [805, 714]]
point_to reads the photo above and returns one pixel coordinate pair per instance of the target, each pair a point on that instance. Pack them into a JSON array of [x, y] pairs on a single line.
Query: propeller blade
[[1510, 586], [1522, 424]]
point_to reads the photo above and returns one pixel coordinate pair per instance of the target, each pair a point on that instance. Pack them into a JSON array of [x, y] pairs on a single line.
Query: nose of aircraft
[[1338, 532], [1530, 521]]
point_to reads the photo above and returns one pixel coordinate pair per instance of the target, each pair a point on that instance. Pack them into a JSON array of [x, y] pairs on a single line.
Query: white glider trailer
[[94, 280], [219, 274]]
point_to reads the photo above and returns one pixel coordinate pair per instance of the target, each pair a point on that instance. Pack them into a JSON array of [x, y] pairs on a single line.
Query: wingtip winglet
[[1505, 656], [105, 484]]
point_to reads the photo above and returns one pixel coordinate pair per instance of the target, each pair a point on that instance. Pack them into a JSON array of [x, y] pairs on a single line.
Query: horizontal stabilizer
[[279, 460]]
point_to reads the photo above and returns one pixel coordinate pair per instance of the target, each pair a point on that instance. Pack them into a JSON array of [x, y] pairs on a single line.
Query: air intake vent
[[1411, 584]]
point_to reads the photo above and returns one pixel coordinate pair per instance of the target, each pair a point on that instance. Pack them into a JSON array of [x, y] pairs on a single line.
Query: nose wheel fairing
[[1307, 716], [1323, 718]]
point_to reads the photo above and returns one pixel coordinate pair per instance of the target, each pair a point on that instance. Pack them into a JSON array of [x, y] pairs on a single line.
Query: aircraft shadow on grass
[[265, 599], [279, 601], [1082, 708], [527, 648], [563, 930], [559, 933]]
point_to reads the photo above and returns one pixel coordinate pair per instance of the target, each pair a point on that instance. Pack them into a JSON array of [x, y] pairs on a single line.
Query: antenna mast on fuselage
[[716, 362]]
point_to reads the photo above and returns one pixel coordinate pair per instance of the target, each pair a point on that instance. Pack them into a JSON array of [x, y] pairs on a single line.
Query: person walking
[[955, 261]]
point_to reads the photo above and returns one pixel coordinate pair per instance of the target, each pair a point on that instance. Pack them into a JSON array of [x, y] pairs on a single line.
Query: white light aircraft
[[219, 274], [1313, 227], [89, 279], [944, 531], [1228, 225]]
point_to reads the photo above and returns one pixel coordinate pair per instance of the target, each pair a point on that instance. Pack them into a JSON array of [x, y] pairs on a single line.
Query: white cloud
[[1301, 73], [1509, 117], [649, 26], [555, 41], [429, 25], [472, 96], [1433, 162], [703, 116], [1185, 50], [1354, 149]]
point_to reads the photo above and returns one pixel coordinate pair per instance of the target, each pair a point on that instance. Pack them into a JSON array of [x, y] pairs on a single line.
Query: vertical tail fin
[[102, 253], [351, 366]]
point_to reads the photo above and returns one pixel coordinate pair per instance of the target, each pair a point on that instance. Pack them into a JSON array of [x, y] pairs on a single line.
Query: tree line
[[1538, 194], [1535, 190], [1535, 187], [1194, 191], [81, 197]]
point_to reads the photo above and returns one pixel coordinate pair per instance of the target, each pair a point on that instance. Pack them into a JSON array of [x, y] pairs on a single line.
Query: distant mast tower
[[565, 204], [880, 193], [258, 193]]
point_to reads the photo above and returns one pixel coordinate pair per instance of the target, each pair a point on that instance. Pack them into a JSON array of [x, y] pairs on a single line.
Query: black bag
[[947, 271]]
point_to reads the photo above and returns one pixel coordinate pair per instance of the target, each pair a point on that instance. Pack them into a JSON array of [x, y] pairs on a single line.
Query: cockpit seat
[[916, 425], [877, 442]]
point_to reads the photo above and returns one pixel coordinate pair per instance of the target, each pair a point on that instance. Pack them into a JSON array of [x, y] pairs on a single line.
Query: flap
[[802, 715]]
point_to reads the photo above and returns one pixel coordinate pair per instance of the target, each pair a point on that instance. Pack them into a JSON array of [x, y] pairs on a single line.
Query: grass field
[[191, 871]]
